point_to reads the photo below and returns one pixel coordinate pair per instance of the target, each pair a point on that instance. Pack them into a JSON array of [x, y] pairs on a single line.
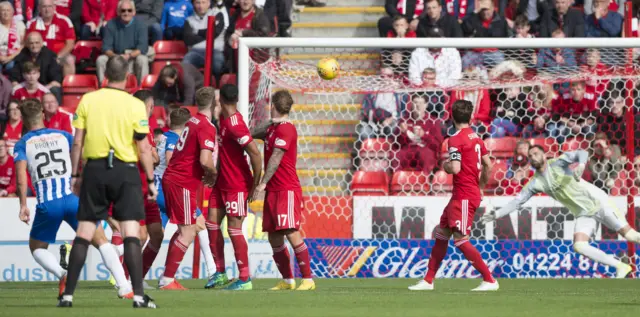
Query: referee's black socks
[[76, 262], [133, 260]]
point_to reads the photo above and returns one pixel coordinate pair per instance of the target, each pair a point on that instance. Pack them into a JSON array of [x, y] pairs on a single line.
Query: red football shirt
[[471, 148], [54, 34], [20, 92], [8, 176], [61, 120], [12, 135], [235, 174], [184, 168], [243, 23], [283, 136], [63, 7]]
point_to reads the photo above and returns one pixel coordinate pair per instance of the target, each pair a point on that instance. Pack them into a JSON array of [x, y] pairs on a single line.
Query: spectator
[[71, 9], [605, 162], [510, 113], [11, 36], [480, 98], [540, 111], [95, 15], [50, 71], [596, 68], [436, 19], [149, 12], [436, 98], [446, 62], [411, 10], [549, 58], [379, 114], [13, 127], [420, 139], [54, 117], [25, 10], [281, 9], [519, 170], [526, 56], [612, 6], [533, 10], [395, 62], [602, 22], [575, 112], [58, 34], [30, 87], [612, 119], [486, 23], [7, 172], [248, 21], [192, 80], [5, 95], [168, 88], [174, 15], [569, 20], [127, 37], [195, 31]]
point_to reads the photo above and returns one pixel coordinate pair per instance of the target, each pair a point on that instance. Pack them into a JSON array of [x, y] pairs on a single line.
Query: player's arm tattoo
[[272, 165], [260, 132]]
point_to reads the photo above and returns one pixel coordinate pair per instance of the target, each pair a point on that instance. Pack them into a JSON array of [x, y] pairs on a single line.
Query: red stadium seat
[[79, 84], [228, 79], [157, 66], [91, 44], [497, 174], [549, 144], [375, 148], [159, 113], [169, 50], [573, 144], [87, 50], [370, 184], [409, 183], [192, 109], [501, 147], [442, 183], [148, 81], [131, 86], [70, 102], [374, 165]]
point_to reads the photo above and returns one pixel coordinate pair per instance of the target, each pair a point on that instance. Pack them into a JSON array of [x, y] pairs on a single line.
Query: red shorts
[[458, 215], [181, 203], [235, 204], [151, 212], [282, 210]]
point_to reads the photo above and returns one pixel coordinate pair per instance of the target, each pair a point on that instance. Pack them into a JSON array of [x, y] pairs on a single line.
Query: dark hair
[[462, 110], [179, 117], [283, 101], [117, 69], [29, 66], [143, 94], [416, 96], [31, 110], [537, 146], [168, 71], [521, 21], [228, 94], [399, 17], [157, 131], [427, 2]]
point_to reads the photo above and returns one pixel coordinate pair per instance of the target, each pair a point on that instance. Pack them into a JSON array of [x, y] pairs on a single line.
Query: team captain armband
[[454, 154]]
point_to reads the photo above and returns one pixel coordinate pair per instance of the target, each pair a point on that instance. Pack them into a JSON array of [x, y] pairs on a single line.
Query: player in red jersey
[[193, 159], [470, 164], [283, 198], [30, 87], [54, 117], [233, 189]]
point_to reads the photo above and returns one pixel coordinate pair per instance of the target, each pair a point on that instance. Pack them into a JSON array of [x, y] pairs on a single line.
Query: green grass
[[346, 297]]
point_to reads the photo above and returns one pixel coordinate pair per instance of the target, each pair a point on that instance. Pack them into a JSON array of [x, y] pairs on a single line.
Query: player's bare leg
[[283, 261], [178, 246], [241, 251], [111, 260], [48, 262], [205, 249], [438, 252], [150, 252], [216, 245]]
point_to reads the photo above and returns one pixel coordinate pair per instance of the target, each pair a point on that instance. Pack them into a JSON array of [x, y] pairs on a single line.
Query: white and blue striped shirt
[[47, 152]]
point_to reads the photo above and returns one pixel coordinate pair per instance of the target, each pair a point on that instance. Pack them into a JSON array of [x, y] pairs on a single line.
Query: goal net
[[370, 145]]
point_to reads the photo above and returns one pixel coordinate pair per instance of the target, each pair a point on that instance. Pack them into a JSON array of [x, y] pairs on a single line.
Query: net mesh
[[370, 151]]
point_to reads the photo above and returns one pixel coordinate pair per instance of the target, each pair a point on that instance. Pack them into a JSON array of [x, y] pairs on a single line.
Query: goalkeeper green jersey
[[580, 197]]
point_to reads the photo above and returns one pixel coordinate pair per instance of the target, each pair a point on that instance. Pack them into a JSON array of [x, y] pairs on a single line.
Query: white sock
[[138, 298], [203, 238], [49, 262], [288, 280], [633, 236], [119, 249], [595, 254], [112, 262], [307, 279], [165, 281], [68, 298]]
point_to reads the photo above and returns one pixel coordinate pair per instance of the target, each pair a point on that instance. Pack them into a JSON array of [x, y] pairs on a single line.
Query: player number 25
[[51, 163], [182, 139]]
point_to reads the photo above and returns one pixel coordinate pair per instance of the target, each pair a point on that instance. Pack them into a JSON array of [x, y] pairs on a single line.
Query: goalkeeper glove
[[489, 216], [577, 172]]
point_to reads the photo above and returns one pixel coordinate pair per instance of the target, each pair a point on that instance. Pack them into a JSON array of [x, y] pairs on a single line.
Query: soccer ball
[[328, 68]]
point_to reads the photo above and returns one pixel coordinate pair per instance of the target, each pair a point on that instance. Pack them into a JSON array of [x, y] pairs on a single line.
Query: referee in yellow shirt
[[111, 133]]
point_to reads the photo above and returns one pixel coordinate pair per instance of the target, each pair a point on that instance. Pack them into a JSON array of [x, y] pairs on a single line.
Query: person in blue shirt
[[44, 154], [174, 15]]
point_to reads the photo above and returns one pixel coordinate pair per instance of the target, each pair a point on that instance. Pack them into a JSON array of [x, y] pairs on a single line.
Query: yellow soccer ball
[[328, 68]]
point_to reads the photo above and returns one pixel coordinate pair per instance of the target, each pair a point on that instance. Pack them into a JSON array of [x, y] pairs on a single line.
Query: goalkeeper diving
[[589, 204]]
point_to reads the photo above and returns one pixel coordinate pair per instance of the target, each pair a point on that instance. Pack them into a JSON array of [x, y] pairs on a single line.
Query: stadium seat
[[228, 79], [497, 174], [620, 186], [79, 84], [501, 147], [374, 165], [375, 148], [87, 50], [370, 184], [549, 144], [192, 109], [213, 82], [442, 183], [574, 144], [70, 102], [157, 66], [131, 86], [409, 183], [169, 50], [148, 81], [159, 113]]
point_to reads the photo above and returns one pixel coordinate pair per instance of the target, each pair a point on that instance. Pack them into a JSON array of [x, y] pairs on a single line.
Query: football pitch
[[341, 297]]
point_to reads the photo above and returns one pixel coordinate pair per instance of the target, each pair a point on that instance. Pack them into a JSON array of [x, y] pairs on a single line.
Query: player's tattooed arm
[[272, 165], [260, 132]]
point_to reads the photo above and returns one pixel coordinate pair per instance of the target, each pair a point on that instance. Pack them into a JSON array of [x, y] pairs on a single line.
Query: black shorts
[[101, 186]]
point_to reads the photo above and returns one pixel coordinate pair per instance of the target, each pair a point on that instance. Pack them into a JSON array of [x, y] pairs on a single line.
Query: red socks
[[438, 253], [302, 256], [471, 253], [116, 240], [148, 256], [216, 244], [174, 257], [241, 251], [281, 257]]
